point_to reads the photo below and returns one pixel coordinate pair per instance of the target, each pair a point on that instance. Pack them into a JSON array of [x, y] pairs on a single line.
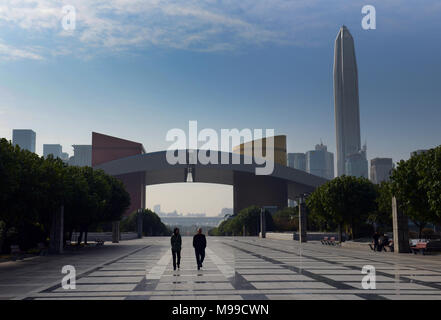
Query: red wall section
[[107, 148]]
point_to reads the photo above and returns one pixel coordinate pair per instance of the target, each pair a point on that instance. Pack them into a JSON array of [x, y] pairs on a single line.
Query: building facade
[[320, 162], [82, 155], [297, 161], [56, 150], [24, 138], [381, 169], [356, 164], [346, 101]]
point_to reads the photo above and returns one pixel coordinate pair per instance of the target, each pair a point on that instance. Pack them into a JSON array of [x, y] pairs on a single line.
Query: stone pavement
[[234, 268]]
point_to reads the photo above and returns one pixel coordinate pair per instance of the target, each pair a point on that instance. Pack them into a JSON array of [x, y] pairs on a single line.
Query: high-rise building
[[24, 138], [346, 103], [55, 150], [320, 162], [82, 155], [381, 169], [64, 156], [297, 161], [356, 164]]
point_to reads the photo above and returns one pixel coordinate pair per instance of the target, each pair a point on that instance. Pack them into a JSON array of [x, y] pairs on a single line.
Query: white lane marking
[[158, 270], [227, 270]]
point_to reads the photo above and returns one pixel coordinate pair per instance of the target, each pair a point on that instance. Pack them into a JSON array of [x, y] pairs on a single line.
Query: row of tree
[[352, 203], [247, 220], [151, 224], [33, 188], [355, 205]]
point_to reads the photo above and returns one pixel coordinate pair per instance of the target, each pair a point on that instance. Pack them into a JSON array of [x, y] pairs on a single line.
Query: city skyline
[[139, 93]]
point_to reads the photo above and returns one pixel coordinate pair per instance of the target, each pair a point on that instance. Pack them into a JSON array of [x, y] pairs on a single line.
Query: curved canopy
[[158, 170]]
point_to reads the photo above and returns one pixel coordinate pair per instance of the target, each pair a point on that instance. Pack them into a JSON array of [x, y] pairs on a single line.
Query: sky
[[137, 68]]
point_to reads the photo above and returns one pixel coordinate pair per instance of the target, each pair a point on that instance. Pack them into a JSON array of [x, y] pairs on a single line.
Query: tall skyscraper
[[54, 149], [320, 162], [297, 161], [24, 138], [346, 104], [381, 169]]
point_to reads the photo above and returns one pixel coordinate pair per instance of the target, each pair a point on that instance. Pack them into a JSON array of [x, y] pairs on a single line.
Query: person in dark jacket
[[199, 244], [375, 239], [176, 244]]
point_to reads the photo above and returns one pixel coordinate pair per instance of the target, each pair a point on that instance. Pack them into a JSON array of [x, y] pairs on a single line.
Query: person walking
[[176, 244], [375, 238], [199, 244]]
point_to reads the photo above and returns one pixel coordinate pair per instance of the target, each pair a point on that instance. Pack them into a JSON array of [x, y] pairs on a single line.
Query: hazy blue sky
[[137, 68]]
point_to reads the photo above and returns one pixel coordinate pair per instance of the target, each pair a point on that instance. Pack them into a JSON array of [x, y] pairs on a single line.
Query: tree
[[430, 170], [411, 192], [286, 219], [248, 217], [151, 224], [346, 201], [382, 216], [416, 183]]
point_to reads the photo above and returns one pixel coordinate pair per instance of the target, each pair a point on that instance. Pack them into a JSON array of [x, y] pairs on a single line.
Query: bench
[[332, 241], [425, 247], [43, 251], [16, 253]]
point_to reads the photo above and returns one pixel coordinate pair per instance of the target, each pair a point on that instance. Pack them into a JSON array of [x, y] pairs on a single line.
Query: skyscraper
[[381, 169], [346, 104], [320, 162], [24, 138], [54, 149], [82, 155], [297, 161]]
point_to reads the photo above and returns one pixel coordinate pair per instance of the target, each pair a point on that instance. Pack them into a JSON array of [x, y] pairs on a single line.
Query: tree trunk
[[80, 237], [86, 230], [340, 232], [3, 236]]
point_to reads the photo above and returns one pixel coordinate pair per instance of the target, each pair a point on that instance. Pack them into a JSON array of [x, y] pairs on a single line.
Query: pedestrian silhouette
[[176, 244], [199, 244]]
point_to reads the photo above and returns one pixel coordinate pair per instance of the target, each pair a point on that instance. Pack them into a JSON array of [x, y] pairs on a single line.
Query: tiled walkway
[[234, 268]]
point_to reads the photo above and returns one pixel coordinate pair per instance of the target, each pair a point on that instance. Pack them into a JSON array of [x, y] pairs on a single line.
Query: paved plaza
[[238, 268]]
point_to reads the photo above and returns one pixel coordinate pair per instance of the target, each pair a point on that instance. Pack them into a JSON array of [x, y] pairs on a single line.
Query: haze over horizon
[[135, 70]]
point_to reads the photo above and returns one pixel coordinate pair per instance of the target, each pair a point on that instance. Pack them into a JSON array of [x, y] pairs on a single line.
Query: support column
[[302, 220], [57, 232], [262, 223], [401, 228], [115, 232], [139, 222]]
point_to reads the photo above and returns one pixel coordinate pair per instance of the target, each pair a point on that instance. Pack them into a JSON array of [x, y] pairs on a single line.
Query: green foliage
[[417, 185], [248, 217], [33, 188], [345, 201], [286, 219], [151, 225], [382, 216]]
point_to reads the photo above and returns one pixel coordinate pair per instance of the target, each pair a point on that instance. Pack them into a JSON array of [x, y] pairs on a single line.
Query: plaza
[[235, 268]]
